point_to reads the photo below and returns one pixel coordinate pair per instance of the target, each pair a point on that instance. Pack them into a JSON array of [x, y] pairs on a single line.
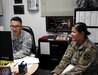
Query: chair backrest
[[29, 29]]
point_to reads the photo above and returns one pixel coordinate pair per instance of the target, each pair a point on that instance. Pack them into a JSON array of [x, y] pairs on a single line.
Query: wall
[[0, 7], [32, 19], [58, 7]]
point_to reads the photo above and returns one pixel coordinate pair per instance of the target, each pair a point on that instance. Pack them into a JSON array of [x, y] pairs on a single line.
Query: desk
[[50, 52], [32, 64], [30, 71]]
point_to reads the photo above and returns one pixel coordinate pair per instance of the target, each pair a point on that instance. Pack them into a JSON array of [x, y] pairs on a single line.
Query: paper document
[[82, 16], [68, 68], [88, 18], [28, 60], [77, 16], [1, 28], [45, 48]]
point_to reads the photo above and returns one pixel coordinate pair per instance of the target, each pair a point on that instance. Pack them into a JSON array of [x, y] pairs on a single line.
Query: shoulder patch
[[87, 56]]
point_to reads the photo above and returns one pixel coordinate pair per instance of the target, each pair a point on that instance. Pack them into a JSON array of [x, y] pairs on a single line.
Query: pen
[[22, 62], [15, 64]]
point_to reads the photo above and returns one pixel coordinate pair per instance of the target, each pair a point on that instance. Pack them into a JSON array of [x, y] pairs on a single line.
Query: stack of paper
[[28, 60], [68, 68]]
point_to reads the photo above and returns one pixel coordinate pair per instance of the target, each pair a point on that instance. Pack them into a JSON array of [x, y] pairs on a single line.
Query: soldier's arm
[[65, 60]]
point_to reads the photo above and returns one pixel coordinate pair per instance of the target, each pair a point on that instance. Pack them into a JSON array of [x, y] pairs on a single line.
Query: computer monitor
[[6, 52], [59, 23]]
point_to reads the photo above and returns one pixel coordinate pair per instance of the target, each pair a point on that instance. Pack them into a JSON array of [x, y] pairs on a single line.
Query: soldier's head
[[16, 26], [79, 31]]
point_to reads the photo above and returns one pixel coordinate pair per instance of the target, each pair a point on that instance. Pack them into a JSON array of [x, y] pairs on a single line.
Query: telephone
[[32, 4]]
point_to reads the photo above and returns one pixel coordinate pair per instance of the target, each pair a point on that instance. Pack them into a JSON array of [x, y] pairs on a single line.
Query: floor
[[42, 72]]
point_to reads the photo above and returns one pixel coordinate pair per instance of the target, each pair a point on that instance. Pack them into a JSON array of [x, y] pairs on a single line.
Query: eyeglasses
[[16, 27]]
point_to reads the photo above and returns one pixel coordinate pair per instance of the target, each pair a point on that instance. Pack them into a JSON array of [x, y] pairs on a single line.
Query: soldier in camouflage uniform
[[21, 40], [81, 52]]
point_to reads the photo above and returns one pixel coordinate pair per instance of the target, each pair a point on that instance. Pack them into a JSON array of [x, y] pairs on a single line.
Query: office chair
[[28, 29]]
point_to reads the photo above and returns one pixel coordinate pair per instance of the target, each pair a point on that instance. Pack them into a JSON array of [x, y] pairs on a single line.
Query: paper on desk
[[68, 68], [28, 60]]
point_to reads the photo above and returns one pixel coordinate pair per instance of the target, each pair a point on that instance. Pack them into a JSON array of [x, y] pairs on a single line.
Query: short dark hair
[[16, 18], [80, 26]]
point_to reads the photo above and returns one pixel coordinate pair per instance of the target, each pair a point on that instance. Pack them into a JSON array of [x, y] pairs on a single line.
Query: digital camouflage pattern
[[22, 45]]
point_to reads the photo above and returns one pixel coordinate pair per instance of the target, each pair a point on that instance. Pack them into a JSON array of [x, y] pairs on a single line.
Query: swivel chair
[[28, 29]]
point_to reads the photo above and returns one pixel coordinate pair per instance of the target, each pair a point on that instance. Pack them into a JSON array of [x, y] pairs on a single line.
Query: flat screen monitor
[[59, 23], [6, 52]]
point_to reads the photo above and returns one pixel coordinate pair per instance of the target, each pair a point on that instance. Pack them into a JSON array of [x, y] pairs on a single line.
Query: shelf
[[92, 26], [86, 9]]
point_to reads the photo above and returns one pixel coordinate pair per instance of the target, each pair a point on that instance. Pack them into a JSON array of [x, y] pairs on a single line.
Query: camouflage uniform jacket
[[83, 57], [22, 45]]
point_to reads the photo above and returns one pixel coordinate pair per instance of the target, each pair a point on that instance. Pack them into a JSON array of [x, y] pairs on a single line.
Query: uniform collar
[[82, 45], [14, 38]]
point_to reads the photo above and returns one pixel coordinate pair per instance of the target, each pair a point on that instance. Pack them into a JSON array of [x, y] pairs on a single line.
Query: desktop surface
[[32, 64], [30, 70]]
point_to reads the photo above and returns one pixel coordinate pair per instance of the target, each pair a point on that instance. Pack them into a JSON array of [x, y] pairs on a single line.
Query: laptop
[[6, 52]]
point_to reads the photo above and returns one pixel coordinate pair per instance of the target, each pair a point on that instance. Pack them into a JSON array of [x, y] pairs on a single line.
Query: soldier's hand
[[54, 74]]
